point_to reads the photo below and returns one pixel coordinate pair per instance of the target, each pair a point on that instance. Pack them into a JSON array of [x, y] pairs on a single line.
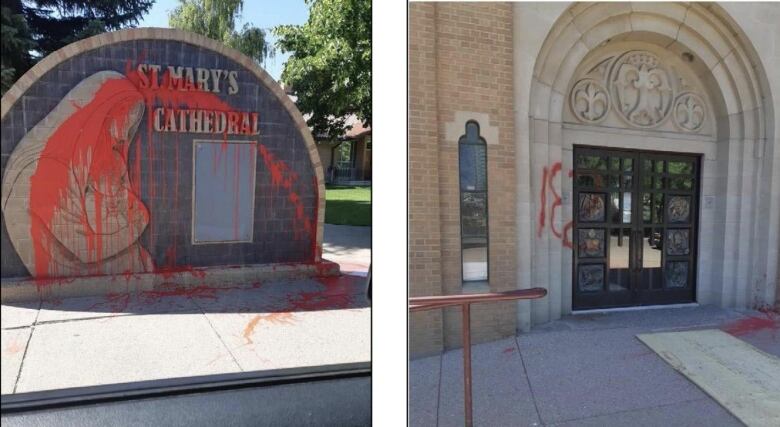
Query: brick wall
[[424, 229], [460, 60], [166, 160]]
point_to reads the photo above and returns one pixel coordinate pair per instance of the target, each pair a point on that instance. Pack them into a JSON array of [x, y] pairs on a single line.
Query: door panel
[[634, 227]]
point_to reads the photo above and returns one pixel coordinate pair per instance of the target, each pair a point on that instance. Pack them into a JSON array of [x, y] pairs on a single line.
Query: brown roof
[[357, 126]]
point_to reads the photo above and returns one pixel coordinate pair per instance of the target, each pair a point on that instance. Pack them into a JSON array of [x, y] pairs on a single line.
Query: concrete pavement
[[584, 370], [349, 246], [180, 332], [176, 331]]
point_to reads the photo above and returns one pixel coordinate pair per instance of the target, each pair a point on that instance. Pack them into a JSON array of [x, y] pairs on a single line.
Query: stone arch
[[738, 165], [16, 93], [17, 90]]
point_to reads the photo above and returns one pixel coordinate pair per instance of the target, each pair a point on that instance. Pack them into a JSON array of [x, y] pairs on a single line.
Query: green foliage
[[347, 205], [216, 19], [32, 29], [56, 23], [16, 43], [330, 65]]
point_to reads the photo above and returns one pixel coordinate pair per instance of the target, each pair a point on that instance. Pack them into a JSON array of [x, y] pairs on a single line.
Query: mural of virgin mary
[[68, 203]]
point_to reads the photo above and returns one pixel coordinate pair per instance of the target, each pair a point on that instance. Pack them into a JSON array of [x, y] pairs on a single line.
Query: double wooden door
[[635, 229]]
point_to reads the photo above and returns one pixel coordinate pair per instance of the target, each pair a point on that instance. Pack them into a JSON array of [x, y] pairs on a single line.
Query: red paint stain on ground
[[15, 346], [770, 322], [509, 350], [339, 293], [117, 302], [175, 290], [274, 318], [170, 271]]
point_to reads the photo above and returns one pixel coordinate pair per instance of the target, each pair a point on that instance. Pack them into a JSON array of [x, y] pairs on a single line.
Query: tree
[[36, 28], [330, 66], [16, 43], [216, 19]]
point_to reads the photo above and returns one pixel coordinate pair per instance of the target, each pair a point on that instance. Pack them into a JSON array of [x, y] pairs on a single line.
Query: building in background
[[618, 155], [348, 160]]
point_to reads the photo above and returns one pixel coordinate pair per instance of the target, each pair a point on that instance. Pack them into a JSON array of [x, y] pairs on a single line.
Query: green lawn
[[346, 205]]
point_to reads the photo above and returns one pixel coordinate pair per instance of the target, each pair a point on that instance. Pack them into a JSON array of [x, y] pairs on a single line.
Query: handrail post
[[465, 301], [467, 362]]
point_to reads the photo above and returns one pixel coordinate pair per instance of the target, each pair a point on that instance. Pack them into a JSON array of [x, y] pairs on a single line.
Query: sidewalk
[[179, 332], [349, 246], [585, 370]]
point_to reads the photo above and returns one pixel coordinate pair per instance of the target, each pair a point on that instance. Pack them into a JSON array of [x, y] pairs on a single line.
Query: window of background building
[[473, 204]]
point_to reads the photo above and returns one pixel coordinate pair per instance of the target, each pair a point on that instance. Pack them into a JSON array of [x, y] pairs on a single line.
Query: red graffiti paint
[[83, 168], [543, 203], [274, 318], [85, 196], [548, 185], [339, 293], [556, 167], [284, 177], [117, 302], [770, 322], [176, 290]]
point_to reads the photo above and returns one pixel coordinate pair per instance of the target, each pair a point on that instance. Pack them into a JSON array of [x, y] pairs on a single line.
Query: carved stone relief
[[689, 111], [641, 90], [589, 101]]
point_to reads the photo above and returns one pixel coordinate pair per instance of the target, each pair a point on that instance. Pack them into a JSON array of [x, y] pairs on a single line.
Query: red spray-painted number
[[548, 186]]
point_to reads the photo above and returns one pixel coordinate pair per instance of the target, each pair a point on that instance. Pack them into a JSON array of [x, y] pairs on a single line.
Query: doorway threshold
[[635, 308]]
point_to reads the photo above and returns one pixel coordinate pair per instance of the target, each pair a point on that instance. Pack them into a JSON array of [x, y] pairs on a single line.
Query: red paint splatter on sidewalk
[[175, 290], [770, 322], [339, 293], [117, 302], [509, 350], [275, 318], [13, 347]]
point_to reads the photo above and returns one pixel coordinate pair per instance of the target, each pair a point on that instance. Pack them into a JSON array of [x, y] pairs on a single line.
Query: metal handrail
[[465, 301]]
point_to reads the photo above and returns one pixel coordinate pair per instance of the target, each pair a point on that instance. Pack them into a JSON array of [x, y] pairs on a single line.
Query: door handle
[[639, 245]]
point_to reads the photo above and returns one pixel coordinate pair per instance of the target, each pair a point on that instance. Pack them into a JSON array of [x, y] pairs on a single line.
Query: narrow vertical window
[[473, 204]]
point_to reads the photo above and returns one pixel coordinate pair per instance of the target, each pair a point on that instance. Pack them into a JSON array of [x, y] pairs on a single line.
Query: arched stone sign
[[155, 151]]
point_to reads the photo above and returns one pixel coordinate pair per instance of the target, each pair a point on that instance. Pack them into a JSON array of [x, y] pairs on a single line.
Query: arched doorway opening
[[669, 78]]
